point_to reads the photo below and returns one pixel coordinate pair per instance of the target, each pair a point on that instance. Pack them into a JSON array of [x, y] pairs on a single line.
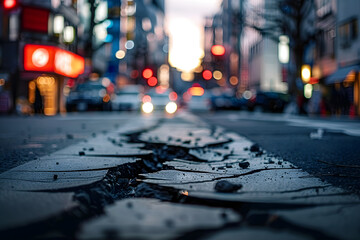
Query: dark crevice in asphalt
[[307, 188], [326, 195]]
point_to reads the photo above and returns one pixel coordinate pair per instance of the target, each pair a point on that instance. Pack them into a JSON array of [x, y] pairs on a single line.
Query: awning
[[341, 74]]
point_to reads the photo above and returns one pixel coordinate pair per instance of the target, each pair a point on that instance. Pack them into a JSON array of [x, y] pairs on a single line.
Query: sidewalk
[[171, 179]]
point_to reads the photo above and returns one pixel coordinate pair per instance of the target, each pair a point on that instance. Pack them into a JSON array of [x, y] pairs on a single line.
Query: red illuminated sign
[[35, 19], [52, 59], [9, 4]]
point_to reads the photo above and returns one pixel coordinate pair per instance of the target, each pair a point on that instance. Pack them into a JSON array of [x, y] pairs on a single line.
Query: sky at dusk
[[185, 21]]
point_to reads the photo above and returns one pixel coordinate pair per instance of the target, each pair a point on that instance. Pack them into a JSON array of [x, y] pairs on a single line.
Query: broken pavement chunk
[[152, 219], [206, 154], [46, 181], [18, 209], [227, 187], [106, 150], [184, 135], [56, 163], [178, 177], [59, 172]]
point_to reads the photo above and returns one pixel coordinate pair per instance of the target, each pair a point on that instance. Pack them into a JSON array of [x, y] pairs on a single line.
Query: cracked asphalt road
[[26, 138], [293, 143], [163, 178]]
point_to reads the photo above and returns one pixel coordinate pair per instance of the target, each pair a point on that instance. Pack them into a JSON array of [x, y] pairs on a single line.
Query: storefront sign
[[52, 59]]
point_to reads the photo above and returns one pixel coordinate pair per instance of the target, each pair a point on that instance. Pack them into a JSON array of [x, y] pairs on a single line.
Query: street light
[[305, 73], [283, 49], [69, 34], [58, 24]]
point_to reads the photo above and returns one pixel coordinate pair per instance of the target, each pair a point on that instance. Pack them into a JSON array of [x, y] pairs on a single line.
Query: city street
[[214, 175], [176, 120]]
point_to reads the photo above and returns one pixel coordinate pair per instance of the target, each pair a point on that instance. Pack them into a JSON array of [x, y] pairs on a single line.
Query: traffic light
[[207, 74], [218, 50], [305, 73], [218, 57], [152, 82], [147, 73], [10, 4]]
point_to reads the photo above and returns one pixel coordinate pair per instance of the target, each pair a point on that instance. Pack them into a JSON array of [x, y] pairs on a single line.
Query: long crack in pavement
[[171, 179]]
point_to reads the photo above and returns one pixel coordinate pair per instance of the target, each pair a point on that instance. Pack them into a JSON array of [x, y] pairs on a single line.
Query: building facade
[[344, 82], [139, 40], [265, 70], [38, 54]]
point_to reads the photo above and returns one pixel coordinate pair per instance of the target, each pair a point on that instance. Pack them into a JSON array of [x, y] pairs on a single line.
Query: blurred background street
[[237, 114], [79, 55]]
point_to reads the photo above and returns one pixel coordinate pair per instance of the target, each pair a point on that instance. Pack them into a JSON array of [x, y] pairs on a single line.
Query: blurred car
[[88, 96], [159, 100], [127, 98], [269, 101], [199, 102]]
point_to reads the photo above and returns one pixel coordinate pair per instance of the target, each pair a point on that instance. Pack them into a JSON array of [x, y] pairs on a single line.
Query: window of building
[[348, 32], [324, 8]]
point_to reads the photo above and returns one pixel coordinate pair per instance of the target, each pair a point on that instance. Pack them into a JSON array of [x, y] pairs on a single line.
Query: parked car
[[127, 98], [269, 101], [88, 96], [224, 102]]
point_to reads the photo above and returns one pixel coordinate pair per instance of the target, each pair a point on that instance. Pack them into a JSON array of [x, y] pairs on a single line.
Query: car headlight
[[171, 107], [147, 107]]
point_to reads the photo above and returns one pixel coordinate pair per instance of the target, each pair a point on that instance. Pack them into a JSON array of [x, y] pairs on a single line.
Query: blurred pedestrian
[[38, 104]]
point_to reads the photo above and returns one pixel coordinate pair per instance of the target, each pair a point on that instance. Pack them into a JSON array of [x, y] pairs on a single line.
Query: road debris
[[226, 186], [318, 134]]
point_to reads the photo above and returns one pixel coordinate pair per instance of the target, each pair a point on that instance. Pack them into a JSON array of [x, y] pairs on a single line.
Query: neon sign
[[52, 59]]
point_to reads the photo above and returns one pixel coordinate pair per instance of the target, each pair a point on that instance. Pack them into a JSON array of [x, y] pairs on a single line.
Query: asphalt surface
[[94, 194], [293, 143], [26, 138]]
